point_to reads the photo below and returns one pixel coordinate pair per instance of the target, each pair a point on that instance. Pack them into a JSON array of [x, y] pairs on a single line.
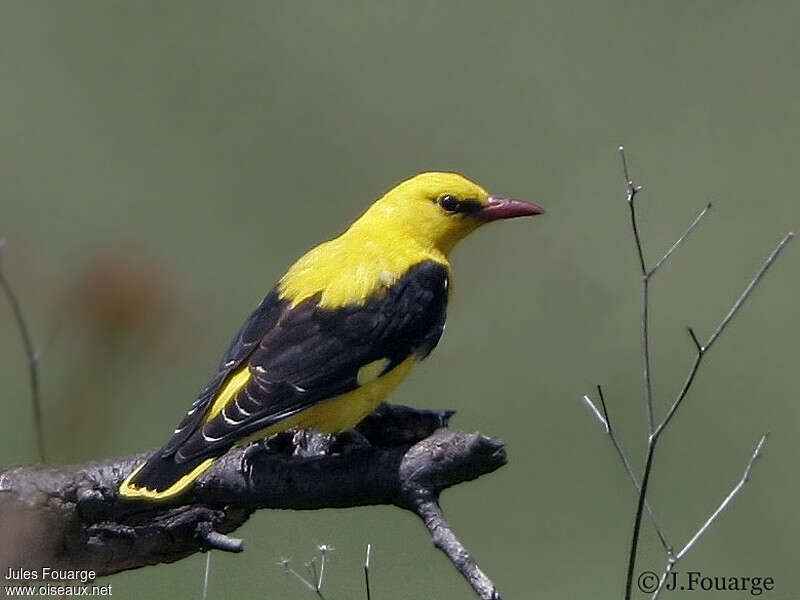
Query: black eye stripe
[[469, 206], [452, 204]]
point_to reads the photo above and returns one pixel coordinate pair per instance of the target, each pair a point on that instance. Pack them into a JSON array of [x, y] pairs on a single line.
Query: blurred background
[[161, 164]]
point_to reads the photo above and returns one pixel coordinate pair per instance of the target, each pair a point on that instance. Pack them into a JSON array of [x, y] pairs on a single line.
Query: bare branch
[[630, 194], [724, 504], [702, 349], [674, 560], [596, 413], [86, 525], [446, 541], [654, 432], [680, 240], [605, 421], [30, 352], [748, 290], [687, 384]]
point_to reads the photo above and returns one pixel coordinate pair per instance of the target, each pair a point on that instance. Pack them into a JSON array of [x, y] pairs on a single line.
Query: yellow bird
[[339, 332]]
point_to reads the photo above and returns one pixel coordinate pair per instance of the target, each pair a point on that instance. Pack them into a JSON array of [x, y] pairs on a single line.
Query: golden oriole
[[339, 332]]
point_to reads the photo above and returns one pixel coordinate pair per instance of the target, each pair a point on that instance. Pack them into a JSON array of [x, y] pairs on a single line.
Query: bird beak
[[507, 208]]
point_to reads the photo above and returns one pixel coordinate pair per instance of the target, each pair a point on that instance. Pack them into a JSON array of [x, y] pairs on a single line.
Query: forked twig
[[676, 558], [605, 421], [315, 577], [655, 431]]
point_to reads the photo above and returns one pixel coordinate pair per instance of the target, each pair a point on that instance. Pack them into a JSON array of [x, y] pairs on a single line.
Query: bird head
[[438, 209]]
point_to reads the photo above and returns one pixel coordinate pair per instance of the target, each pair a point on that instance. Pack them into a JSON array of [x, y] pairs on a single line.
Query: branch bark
[[72, 517]]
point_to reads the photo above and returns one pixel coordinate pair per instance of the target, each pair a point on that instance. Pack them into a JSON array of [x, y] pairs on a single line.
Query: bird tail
[[161, 478]]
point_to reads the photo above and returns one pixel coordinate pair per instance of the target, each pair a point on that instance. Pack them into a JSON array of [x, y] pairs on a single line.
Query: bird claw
[[250, 456]]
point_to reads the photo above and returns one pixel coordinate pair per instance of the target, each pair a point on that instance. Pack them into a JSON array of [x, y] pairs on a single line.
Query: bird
[[340, 330]]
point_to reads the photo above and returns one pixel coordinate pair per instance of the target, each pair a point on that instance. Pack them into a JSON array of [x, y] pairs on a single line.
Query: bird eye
[[448, 203]]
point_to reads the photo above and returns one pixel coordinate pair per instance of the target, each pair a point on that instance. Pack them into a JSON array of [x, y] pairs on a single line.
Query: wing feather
[[301, 356]]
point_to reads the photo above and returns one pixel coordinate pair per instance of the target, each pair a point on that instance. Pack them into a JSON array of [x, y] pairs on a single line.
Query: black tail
[[160, 478]]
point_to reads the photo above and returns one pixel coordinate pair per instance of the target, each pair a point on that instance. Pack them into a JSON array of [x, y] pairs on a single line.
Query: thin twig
[[605, 421], [205, 575], [366, 571], [724, 504], [655, 432], [31, 354], [321, 573], [630, 194], [311, 567], [285, 564], [637, 522], [703, 348], [680, 241], [687, 384], [674, 560], [748, 290], [324, 550]]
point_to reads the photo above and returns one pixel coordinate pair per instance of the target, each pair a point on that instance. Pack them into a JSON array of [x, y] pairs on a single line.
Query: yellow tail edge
[[129, 490]]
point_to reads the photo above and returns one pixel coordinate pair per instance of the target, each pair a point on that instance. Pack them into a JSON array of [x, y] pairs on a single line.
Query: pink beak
[[507, 208]]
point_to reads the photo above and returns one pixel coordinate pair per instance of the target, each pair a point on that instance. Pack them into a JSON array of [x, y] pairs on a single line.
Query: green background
[[161, 164]]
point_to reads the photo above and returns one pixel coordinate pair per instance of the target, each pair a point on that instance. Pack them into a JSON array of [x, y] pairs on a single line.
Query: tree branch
[[72, 516]]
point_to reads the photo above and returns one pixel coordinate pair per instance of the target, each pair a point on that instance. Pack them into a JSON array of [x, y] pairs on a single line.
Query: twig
[[703, 348], [680, 240], [674, 560], [654, 432], [205, 575], [324, 550], [630, 194], [220, 541], [366, 571], [285, 564], [748, 290], [31, 354], [446, 541], [724, 504], [605, 421], [315, 577]]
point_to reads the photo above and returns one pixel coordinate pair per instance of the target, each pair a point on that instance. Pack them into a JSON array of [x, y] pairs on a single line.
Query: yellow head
[[438, 209], [420, 219]]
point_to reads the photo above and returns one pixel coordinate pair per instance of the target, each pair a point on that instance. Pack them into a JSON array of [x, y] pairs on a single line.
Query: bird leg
[[391, 425]]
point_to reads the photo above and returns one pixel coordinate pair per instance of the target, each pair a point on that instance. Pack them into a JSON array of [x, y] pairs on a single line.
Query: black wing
[[300, 356], [264, 317]]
